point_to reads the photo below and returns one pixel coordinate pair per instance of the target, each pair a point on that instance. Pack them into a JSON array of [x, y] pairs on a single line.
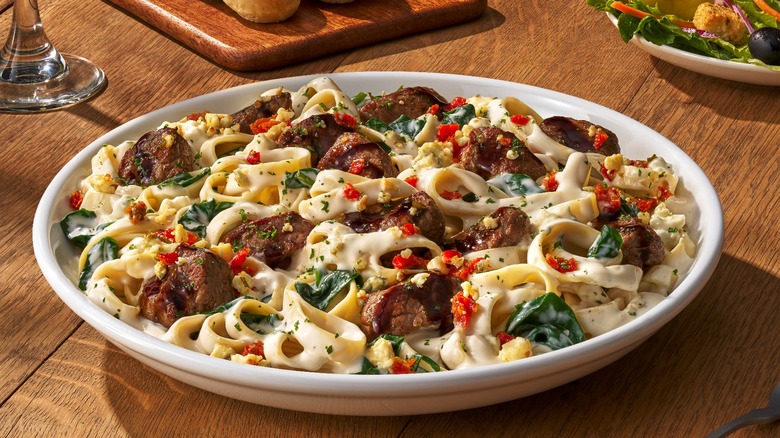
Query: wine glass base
[[79, 82]]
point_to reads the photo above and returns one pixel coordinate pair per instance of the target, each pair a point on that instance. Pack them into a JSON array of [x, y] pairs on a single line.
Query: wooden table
[[716, 360]]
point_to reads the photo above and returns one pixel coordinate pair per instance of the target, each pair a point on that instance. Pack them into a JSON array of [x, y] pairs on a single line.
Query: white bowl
[[385, 394]]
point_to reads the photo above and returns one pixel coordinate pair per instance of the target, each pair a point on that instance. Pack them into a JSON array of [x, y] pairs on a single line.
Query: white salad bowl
[[386, 394]]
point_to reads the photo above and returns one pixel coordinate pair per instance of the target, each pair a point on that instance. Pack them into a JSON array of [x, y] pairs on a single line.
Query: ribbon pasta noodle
[[260, 253]]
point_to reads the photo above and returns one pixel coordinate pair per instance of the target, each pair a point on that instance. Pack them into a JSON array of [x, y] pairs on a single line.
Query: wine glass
[[34, 76]]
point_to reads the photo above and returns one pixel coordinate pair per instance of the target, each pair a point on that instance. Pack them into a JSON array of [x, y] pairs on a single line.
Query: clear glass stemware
[[34, 76]]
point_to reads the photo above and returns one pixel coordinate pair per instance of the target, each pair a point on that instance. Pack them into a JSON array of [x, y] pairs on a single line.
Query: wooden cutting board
[[215, 31]]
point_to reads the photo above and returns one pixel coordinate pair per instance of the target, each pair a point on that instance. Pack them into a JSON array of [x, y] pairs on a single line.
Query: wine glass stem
[[28, 56]]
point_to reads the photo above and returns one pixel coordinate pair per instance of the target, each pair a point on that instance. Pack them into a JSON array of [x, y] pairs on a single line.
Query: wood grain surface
[[716, 360], [212, 29]]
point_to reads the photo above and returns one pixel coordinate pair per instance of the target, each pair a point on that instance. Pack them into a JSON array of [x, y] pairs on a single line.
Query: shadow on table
[[740, 107]]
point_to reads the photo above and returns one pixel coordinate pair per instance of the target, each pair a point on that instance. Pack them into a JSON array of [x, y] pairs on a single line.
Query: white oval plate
[[385, 394], [717, 68]]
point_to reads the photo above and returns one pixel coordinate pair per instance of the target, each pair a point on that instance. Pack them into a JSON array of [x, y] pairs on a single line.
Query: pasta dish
[[396, 232]]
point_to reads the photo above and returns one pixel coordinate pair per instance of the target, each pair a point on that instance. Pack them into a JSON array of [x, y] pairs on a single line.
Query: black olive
[[764, 44]]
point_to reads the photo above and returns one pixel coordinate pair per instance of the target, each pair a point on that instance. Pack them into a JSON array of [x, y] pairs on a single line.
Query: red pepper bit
[[409, 229], [608, 198], [448, 195], [447, 132], [75, 199], [257, 349], [645, 204], [350, 192], [196, 116], [519, 119], [253, 157], [454, 103], [599, 139], [448, 255], [664, 193], [504, 337], [238, 260], [412, 181], [168, 258], [345, 119], [411, 262], [357, 166], [401, 366], [608, 174], [549, 183], [639, 163], [468, 268], [433, 109], [560, 264], [463, 307], [169, 236], [260, 126]]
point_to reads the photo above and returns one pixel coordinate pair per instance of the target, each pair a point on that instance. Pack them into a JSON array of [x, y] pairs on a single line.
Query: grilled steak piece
[[641, 247], [356, 154], [316, 133], [581, 135], [512, 226], [264, 106], [155, 157], [272, 240], [418, 209], [411, 102], [406, 307], [491, 152], [197, 282]]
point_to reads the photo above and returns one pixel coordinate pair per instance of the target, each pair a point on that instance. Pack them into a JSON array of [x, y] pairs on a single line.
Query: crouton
[[722, 21]]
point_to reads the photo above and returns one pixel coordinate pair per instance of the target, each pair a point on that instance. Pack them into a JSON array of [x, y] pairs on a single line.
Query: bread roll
[[264, 11]]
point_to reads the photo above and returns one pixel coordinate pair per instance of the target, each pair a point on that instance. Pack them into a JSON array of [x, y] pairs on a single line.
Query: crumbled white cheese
[[511, 154], [222, 351], [102, 183], [469, 290], [250, 359], [433, 154], [384, 198], [381, 354], [406, 253], [613, 162], [489, 223], [243, 283], [419, 279], [160, 269], [287, 228], [517, 348]]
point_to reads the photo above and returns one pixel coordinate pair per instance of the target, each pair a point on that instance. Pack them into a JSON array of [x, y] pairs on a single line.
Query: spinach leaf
[[262, 324], [368, 368], [470, 197], [300, 179], [629, 209], [407, 127], [461, 115], [516, 184], [198, 216], [377, 125], [185, 179], [81, 225], [106, 249], [326, 287], [546, 320], [607, 245]]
